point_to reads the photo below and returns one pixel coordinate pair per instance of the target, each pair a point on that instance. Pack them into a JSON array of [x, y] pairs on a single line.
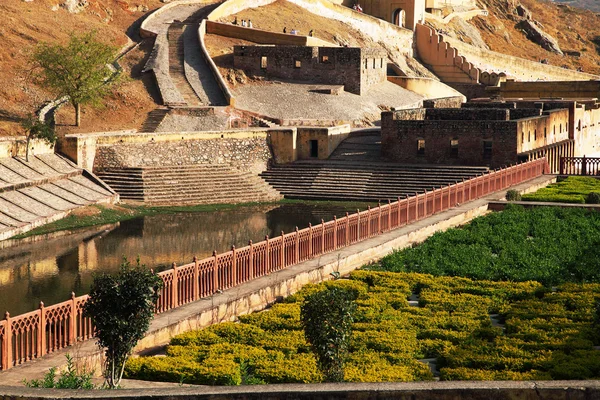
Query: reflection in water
[[52, 269]]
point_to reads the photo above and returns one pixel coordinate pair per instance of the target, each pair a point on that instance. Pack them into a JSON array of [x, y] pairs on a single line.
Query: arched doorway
[[399, 17]]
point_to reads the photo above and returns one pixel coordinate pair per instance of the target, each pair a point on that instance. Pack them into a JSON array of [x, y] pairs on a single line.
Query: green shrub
[[593, 198], [513, 195], [68, 379], [574, 189]]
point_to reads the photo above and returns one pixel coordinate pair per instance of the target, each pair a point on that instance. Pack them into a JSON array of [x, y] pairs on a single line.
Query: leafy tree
[[37, 129], [327, 318], [121, 308], [78, 70], [69, 379]]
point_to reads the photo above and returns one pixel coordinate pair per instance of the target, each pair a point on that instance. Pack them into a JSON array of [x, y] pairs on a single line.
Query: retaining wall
[[501, 390]]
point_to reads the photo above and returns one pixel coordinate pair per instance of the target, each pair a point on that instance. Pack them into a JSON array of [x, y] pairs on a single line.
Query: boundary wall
[[379, 30], [213, 67], [29, 336], [457, 62], [15, 147], [264, 37]]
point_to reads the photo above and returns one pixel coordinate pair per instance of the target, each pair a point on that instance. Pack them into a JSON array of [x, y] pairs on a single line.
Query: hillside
[[576, 30], [27, 23]]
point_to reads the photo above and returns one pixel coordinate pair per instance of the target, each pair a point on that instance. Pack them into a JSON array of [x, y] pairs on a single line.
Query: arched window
[[399, 17], [420, 147], [535, 134], [545, 133], [528, 136]]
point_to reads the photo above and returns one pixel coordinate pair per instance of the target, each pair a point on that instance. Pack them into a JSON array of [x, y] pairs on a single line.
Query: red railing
[[579, 166], [48, 329]]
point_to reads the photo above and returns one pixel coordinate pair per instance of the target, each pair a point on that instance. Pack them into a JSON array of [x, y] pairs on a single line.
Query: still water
[[50, 270]]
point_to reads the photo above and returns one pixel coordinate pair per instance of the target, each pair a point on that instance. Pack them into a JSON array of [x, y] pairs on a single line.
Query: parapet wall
[[466, 114], [515, 67], [16, 147]]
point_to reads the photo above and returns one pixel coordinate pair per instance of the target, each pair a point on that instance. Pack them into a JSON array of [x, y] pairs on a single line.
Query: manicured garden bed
[[549, 244], [539, 331], [547, 335], [574, 189]]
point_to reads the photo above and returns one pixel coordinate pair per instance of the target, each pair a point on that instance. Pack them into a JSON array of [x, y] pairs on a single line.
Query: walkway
[[254, 295]]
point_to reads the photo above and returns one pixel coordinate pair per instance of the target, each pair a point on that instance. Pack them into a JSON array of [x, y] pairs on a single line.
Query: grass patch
[[549, 244], [574, 189], [103, 214]]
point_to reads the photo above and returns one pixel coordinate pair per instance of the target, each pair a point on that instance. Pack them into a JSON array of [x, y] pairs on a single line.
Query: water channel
[[50, 270]]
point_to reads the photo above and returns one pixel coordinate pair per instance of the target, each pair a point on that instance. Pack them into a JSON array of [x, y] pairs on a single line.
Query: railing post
[[7, 343], [322, 236], [347, 229], [297, 258], [310, 240], [41, 346], [196, 286], [282, 252], [368, 221], [389, 225], [175, 286], [267, 256], [234, 276], [334, 232], [416, 207], [73, 324], [584, 165], [357, 225], [215, 272], [379, 219], [251, 259]]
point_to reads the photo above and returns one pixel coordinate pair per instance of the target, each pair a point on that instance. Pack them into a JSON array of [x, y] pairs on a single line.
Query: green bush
[[513, 195], [574, 189], [593, 198]]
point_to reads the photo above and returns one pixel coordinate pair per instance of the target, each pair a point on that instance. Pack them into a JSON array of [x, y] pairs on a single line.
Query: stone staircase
[[42, 190], [190, 184], [176, 64], [154, 119], [364, 145], [360, 180]]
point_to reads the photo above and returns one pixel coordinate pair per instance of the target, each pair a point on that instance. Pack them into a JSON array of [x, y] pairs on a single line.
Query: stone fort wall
[[355, 68]]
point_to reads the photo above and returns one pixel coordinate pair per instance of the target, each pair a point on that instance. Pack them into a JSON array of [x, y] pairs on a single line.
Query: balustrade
[[31, 335]]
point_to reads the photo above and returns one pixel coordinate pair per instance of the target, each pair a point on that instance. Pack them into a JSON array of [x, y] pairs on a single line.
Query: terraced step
[[366, 181]]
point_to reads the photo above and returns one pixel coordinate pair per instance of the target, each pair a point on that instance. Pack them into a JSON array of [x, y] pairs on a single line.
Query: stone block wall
[[399, 141], [467, 114], [243, 153], [353, 67]]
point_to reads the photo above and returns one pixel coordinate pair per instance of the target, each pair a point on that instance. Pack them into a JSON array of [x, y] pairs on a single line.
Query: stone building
[[403, 13], [491, 133], [353, 67]]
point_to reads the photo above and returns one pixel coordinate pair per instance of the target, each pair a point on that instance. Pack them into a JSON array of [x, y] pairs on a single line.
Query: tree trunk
[[78, 114]]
